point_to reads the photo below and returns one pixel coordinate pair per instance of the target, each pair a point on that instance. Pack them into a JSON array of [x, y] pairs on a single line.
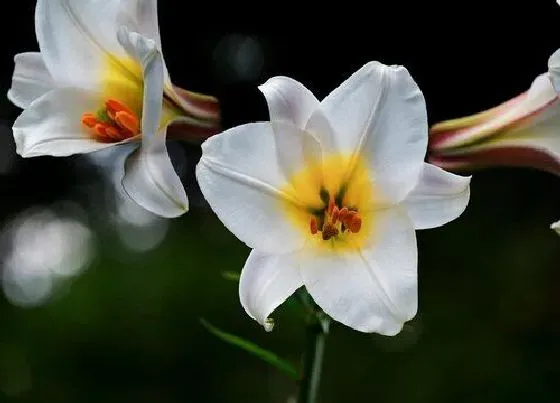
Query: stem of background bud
[[317, 329]]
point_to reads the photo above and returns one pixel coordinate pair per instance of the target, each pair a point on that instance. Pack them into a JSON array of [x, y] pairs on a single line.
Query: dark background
[[126, 328]]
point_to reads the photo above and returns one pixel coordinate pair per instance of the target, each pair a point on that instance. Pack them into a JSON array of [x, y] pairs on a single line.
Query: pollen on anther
[[355, 224], [313, 226], [89, 120], [329, 231]]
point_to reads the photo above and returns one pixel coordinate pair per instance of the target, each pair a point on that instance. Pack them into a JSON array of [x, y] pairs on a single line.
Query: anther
[[329, 231], [313, 226], [113, 123], [335, 215], [355, 224], [127, 121], [343, 214]]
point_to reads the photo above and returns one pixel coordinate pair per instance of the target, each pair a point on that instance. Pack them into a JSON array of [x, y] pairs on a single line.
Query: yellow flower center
[[331, 202], [120, 114]]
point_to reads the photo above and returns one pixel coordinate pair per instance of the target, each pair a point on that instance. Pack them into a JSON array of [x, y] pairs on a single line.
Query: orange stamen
[[355, 224], [89, 120], [113, 106], [313, 226], [335, 214], [114, 123], [343, 214], [329, 231], [127, 121]]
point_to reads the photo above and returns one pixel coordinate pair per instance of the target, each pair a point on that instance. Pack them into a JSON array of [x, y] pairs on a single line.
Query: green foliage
[[254, 349]]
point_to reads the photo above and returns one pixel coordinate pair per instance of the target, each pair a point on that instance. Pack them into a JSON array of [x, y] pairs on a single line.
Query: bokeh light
[[43, 249]]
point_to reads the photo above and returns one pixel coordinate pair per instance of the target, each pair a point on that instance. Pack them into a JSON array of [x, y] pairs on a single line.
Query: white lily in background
[[556, 227], [329, 194], [522, 132], [100, 81]]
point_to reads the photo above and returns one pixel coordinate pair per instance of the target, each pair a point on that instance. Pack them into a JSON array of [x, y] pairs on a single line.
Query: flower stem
[[317, 330]]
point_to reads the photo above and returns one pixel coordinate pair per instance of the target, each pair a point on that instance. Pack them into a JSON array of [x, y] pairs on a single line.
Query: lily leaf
[[254, 349]]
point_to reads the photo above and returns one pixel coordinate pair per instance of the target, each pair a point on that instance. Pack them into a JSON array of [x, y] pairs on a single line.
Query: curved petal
[[266, 282], [145, 51], [140, 16], [380, 114], [51, 125], [482, 128], [78, 39], [555, 226], [150, 179], [243, 176], [30, 80], [438, 198], [554, 69], [373, 289], [288, 100]]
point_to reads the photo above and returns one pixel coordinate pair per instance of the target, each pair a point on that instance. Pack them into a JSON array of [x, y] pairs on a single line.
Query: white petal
[[145, 51], [380, 113], [141, 16], [554, 69], [242, 174], [76, 38], [373, 289], [150, 179], [438, 198], [501, 119], [51, 125], [288, 100], [30, 80], [556, 227], [266, 282]]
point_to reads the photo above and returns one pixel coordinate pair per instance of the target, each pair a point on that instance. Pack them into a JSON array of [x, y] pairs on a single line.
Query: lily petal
[[241, 176], [373, 289], [455, 133], [288, 100], [380, 113], [78, 39], [266, 282], [526, 135], [556, 227], [30, 80], [438, 198], [554, 69], [140, 16], [51, 125], [150, 179]]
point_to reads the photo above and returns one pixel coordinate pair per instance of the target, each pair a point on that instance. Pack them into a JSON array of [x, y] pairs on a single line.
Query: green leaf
[[230, 275], [252, 348]]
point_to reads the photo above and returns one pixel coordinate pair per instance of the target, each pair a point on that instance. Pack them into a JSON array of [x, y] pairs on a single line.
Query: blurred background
[[101, 301]]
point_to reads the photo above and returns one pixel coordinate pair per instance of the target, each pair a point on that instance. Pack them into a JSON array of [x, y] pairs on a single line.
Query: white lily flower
[[556, 227], [329, 194], [100, 81]]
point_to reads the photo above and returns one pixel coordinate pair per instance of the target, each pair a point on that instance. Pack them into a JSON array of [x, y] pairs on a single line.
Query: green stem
[[317, 330]]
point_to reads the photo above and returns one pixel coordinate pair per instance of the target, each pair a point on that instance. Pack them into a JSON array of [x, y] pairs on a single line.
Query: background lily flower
[[100, 81], [556, 226], [329, 194], [522, 132]]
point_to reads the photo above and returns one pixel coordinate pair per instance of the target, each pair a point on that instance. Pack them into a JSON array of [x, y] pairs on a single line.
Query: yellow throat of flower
[[334, 199], [119, 115]]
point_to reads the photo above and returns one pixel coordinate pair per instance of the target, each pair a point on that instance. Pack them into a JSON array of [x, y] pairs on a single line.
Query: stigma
[[113, 123], [335, 220]]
